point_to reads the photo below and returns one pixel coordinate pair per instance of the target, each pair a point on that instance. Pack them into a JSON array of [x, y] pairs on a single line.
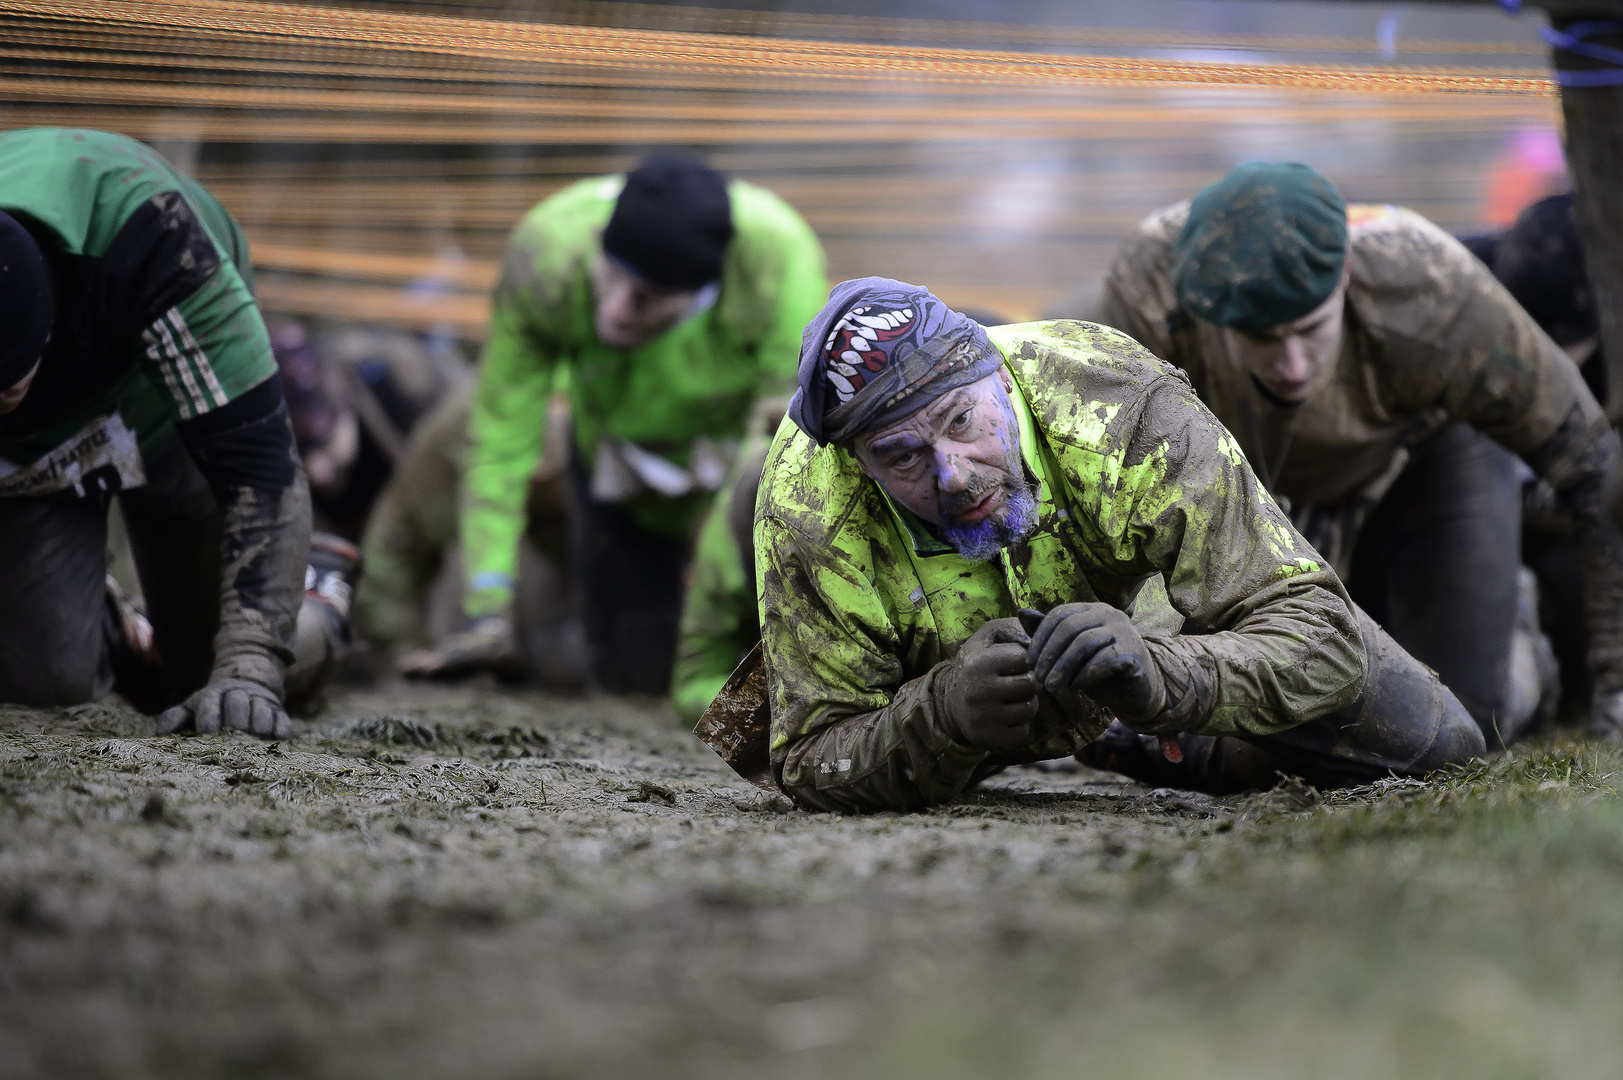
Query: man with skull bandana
[[979, 546]]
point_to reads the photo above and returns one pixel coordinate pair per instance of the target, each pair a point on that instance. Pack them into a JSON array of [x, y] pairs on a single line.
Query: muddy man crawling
[[135, 366], [977, 546]]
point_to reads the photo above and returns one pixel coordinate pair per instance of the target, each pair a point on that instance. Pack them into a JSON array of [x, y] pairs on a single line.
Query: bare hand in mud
[[231, 705], [1095, 649], [989, 695]]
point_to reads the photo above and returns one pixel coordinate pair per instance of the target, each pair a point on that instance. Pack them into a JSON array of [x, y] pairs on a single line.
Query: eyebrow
[[905, 440]]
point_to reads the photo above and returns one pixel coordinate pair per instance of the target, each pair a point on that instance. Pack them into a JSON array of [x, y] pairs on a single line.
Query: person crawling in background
[[978, 547], [1382, 384], [672, 299], [137, 367]]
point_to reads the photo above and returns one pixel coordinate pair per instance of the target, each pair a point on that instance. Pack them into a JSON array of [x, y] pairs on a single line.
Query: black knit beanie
[[672, 223], [27, 305]]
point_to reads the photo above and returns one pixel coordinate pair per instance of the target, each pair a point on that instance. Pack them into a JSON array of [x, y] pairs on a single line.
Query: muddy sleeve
[[1137, 296], [718, 614], [506, 430], [1270, 638], [390, 599], [1454, 339], [412, 526], [801, 292], [1588, 494], [1489, 364], [245, 450], [847, 733]]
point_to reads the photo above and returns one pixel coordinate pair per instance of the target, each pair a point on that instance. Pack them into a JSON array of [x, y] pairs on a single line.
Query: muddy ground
[[461, 882]]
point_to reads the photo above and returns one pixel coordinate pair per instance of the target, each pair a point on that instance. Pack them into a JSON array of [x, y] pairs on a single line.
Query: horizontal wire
[[684, 51]]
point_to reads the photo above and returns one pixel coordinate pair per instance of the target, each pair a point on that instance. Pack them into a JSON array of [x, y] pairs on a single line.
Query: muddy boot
[[321, 637], [1192, 762]]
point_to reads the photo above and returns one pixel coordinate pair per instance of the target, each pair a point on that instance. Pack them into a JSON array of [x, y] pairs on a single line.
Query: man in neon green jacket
[[673, 299], [967, 542]]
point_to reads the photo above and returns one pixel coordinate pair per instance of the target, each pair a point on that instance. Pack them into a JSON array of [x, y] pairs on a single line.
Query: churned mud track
[[461, 882]]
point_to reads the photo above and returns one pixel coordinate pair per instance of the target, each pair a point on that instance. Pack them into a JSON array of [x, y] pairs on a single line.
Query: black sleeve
[[247, 442], [161, 255]]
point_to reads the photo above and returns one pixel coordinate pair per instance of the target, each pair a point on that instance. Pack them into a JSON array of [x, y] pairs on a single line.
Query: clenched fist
[[1096, 650], [987, 693]]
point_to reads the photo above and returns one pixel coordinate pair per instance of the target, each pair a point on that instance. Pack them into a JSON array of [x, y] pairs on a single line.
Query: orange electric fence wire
[[678, 51]]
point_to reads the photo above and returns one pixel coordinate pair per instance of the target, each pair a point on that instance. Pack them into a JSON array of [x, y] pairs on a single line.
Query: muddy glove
[[1096, 650], [230, 705], [986, 694], [488, 645]]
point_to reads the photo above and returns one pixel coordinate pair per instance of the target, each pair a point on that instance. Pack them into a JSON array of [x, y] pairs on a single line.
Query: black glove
[[1096, 650], [232, 704], [986, 693]]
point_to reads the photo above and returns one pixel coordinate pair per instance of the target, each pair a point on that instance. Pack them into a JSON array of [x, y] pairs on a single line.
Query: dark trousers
[[1436, 565], [631, 583], [57, 634]]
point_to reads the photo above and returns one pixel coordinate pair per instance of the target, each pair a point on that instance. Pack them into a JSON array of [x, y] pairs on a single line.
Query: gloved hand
[[232, 704], [1096, 650], [488, 645], [987, 693]]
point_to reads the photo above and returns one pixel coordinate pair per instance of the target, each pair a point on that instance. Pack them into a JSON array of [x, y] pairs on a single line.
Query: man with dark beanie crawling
[[136, 365], [666, 301], [1379, 380], [978, 546]]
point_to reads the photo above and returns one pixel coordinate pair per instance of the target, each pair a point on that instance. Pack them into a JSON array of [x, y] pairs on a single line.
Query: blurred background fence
[[378, 153]]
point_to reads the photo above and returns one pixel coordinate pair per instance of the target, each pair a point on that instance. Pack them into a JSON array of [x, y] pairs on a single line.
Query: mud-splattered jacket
[[1430, 336], [157, 335], [698, 379], [1139, 486], [720, 620]]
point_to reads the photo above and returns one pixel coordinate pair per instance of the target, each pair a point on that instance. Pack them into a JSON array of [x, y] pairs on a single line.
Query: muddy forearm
[[264, 549], [1296, 656], [899, 757], [1600, 553], [1580, 461], [245, 450]]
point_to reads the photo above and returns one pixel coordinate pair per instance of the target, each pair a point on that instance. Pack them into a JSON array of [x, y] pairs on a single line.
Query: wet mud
[[458, 882]]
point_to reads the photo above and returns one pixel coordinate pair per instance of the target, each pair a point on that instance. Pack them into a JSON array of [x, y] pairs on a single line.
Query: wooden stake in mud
[[1588, 55]]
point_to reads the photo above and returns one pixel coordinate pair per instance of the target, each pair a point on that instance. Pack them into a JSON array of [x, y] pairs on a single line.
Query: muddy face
[[956, 464], [1287, 359], [630, 311]]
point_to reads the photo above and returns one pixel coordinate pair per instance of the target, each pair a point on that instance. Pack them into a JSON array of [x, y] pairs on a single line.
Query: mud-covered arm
[[506, 429], [1270, 639], [848, 733], [1484, 359], [719, 621], [245, 450], [1582, 464]]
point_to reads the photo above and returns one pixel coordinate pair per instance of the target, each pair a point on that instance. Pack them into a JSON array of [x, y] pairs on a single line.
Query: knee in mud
[[1459, 738]]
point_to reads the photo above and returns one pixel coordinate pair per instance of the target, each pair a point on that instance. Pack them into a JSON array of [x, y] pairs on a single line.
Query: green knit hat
[[1262, 246]]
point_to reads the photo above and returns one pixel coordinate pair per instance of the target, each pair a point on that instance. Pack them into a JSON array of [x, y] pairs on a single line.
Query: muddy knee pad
[[1405, 723]]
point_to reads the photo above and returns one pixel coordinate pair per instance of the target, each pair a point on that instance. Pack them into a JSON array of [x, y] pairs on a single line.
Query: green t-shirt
[[155, 322], [698, 379]]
